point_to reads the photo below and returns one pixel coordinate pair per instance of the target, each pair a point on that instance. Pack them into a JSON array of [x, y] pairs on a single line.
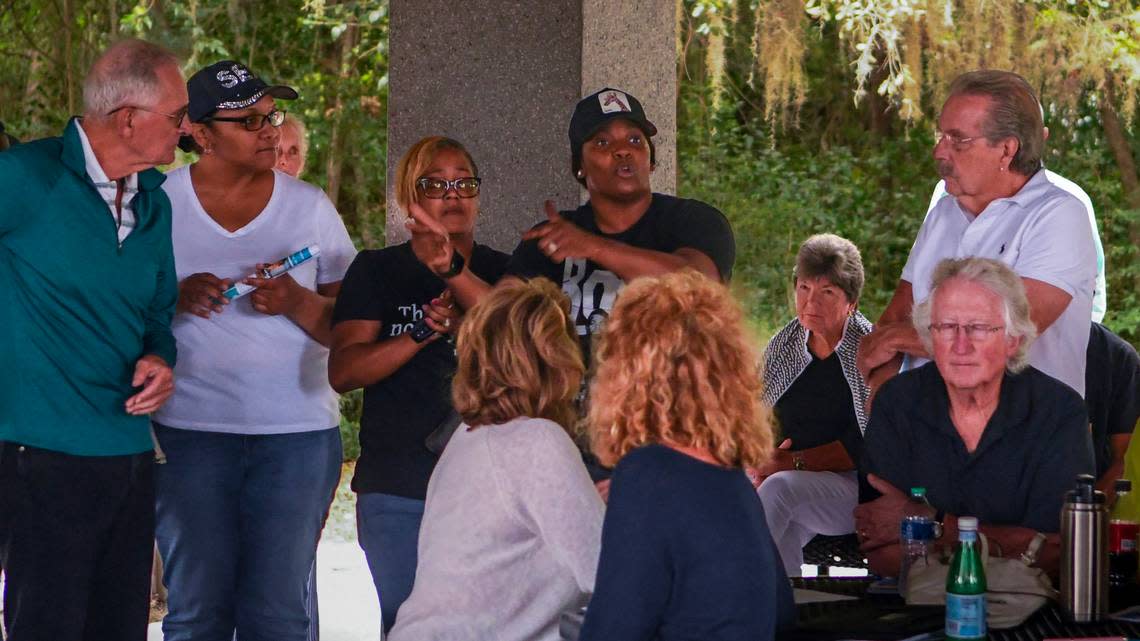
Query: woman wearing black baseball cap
[[251, 434], [624, 230]]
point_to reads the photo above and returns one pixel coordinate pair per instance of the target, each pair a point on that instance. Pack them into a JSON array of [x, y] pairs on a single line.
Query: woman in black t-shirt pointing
[[389, 329], [622, 232]]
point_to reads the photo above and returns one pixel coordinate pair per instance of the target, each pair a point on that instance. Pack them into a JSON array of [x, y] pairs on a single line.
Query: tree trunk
[[1121, 150], [113, 19], [68, 57], [877, 105], [336, 135]]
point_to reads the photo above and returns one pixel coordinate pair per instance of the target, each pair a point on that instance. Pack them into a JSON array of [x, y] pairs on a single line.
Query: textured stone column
[[502, 76]]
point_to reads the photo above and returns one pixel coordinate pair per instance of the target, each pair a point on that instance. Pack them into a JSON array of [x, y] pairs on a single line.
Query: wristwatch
[[457, 263], [798, 462]]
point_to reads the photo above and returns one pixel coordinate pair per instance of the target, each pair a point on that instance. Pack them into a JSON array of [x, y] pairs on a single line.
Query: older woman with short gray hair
[[982, 431], [819, 400]]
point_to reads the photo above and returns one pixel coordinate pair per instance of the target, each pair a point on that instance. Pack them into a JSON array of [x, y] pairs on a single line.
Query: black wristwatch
[[457, 263]]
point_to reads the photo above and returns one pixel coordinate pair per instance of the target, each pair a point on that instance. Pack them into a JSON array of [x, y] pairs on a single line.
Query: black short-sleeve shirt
[[669, 224], [817, 409], [390, 285], [1033, 448], [1112, 391]]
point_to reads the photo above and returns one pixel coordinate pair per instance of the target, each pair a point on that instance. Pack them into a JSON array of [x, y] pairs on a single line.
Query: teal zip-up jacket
[[77, 310]]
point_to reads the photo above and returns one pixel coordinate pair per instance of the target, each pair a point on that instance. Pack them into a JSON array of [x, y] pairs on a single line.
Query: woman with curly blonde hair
[[675, 404], [511, 530]]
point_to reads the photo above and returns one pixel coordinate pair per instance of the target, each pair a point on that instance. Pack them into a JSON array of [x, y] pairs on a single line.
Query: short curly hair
[[675, 365], [518, 356]]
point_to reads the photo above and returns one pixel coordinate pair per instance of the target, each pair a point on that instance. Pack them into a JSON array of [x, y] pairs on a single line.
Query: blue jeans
[[388, 528], [238, 522]]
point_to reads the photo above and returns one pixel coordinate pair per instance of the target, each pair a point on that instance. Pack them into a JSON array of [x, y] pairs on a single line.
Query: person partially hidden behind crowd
[[391, 328], [818, 397], [293, 147], [88, 292], [990, 144], [986, 434], [675, 404], [6, 139], [512, 524], [251, 434], [1112, 390]]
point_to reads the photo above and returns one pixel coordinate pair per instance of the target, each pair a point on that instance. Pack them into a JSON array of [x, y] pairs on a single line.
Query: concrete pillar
[[502, 76]]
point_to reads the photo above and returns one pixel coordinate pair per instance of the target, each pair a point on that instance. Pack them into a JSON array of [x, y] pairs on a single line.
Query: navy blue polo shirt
[[1112, 391], [1032, 449]]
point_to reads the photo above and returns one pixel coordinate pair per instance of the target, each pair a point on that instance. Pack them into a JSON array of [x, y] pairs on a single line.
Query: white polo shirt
[[1100, 293], [1042, 233]]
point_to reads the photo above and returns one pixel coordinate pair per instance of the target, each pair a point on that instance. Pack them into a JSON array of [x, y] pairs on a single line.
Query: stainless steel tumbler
[[1084, 552]]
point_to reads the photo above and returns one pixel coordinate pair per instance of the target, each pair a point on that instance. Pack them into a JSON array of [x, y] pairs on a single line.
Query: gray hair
[[125, 74], [1015, 113], [997, 277], [834, 258]]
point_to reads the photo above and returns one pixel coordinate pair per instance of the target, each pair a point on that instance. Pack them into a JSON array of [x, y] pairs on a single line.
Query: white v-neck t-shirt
[[242, 371]]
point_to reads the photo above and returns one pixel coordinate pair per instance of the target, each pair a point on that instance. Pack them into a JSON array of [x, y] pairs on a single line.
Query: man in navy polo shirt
[[984, 432]]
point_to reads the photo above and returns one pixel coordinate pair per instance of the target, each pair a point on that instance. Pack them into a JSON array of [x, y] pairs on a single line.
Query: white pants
[[801, 504]]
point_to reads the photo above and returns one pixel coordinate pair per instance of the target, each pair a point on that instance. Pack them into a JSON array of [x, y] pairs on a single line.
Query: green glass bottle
[[966, 586]]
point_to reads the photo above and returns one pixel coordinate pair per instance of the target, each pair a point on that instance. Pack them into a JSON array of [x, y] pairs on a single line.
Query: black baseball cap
[[228, 85], [597, 109]]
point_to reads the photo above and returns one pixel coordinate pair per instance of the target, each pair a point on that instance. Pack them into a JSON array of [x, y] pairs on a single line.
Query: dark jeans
[[76, 534], [388, 529]]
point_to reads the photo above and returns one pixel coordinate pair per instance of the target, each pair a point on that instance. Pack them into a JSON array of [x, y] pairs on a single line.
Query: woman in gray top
[[512, 523]]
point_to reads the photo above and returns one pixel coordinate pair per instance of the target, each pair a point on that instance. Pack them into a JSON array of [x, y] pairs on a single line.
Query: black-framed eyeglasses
[[959, 143], [178, 117], [438, 187], [256, 122], [976, 332]]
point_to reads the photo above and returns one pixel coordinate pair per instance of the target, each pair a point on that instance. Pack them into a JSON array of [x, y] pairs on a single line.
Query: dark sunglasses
[[255, 122], [438, 187]]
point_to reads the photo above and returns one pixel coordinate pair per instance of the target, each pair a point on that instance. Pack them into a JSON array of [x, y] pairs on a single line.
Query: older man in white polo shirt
[[989, 151]]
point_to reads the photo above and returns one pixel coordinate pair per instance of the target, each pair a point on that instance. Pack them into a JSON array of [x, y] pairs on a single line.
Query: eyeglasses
[[976, 332], [178, 117], [959, 143], [438, 187], [256, 122]]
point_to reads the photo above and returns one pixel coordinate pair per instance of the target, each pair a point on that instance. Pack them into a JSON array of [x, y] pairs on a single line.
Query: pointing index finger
[[551, 211]]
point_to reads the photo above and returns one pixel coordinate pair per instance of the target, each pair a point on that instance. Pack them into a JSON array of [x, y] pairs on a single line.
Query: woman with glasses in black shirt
[[391, 336]]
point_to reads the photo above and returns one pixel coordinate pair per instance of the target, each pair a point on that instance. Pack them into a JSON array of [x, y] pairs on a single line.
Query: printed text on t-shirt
[[592, 292]]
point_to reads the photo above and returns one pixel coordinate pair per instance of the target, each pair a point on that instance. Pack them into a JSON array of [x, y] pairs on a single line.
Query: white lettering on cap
[[232, 78], [613, 101]]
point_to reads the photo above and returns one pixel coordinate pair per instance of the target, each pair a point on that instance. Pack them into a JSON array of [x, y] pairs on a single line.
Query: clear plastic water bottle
[[916, 533]]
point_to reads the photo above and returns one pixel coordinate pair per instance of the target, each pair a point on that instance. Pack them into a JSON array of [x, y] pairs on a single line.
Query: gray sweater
[[509, 540]]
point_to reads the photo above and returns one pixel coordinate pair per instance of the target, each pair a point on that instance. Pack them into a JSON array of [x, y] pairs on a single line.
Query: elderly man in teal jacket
[[87, 291]]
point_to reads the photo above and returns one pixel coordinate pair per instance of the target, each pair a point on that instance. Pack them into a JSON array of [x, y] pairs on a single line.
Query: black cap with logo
[[228, 85], [595, 110]]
